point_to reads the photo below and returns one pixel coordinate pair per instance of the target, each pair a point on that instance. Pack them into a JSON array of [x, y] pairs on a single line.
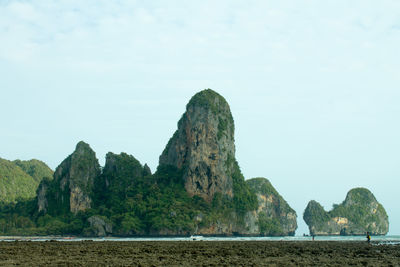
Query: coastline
[[394, 239], [198, 253]]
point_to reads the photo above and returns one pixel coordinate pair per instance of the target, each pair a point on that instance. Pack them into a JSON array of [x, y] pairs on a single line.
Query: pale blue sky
[[313, 86]]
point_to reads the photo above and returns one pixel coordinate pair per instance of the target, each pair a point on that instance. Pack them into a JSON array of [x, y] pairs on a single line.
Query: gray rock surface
[[41, 195], [99, 226], [203, 145], [73, 180], [274, 216]]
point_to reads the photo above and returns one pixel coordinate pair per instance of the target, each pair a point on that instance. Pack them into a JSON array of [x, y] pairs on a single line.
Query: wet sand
[[198, 253]]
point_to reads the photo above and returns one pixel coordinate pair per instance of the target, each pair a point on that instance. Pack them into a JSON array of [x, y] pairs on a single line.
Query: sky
[[313, 86]]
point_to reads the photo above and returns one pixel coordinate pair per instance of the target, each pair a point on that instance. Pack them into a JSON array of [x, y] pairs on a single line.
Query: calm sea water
[[393, 239]]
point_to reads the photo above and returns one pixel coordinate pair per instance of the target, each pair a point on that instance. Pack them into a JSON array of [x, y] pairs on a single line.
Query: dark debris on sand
[[198, 253]]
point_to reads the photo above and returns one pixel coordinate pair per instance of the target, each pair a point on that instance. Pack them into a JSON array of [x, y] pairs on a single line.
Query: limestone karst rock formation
[[359, 213], [120, 172], [198, 186], [72, 184], [203, 145], [275, 216]]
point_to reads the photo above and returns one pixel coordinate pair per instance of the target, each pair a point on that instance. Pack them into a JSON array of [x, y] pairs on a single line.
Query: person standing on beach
[[368, 237]]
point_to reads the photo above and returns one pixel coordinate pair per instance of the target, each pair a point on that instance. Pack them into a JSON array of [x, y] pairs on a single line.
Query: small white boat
[[196, 237]]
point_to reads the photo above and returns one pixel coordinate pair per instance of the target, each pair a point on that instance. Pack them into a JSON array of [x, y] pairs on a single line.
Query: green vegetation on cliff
[[146, 205], [119, 174], [72, 186], [135, 204], [315, 214], [243, 198], [360, 212], [264, 187], [198, 188], [275, 216], [19, 179], [35, 168], [133, 201], [360, 206], [270, 226], [209, 99]]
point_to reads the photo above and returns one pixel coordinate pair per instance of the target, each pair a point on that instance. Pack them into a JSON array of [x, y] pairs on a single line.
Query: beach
[[198, 253]]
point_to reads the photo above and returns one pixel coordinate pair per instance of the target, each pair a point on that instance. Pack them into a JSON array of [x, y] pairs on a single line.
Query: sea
[[389, 239]]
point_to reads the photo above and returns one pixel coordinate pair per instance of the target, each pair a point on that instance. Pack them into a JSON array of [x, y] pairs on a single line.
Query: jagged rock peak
[[75, 176], [203, 146], [146, 170], [360, 212], [82, 147]]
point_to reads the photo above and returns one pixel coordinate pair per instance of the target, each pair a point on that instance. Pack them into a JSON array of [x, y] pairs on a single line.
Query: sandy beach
[[197, 253]]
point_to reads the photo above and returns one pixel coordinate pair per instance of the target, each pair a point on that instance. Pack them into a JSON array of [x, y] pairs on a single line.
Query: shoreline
[[381, 238], [198, 253]]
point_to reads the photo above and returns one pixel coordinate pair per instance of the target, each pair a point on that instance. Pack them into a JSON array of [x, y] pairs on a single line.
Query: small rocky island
[[359, 213]]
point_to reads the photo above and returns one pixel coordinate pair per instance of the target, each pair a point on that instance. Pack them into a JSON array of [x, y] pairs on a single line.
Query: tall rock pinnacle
[[73, 183], [203, 146]]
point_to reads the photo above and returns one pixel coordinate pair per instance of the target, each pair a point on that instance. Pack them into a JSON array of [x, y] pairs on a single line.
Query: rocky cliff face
[[198, 186], [99, 226], [203, 149], [203, 146], [73, 182], [41, 194], [273, 215], [359, 213]]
